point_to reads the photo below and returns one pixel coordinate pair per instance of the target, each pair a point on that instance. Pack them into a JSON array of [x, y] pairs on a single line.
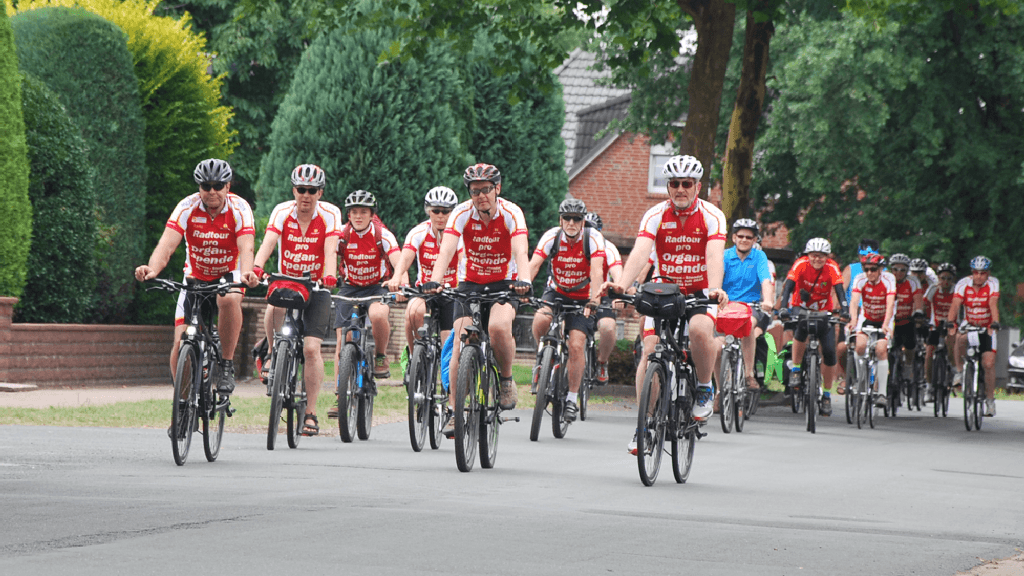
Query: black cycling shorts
[[572, 321], [462, 309], [904, 336], [343, 310], [826, 337]]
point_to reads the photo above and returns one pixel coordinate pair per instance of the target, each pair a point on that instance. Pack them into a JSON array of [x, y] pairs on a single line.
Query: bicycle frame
[[974, 390]]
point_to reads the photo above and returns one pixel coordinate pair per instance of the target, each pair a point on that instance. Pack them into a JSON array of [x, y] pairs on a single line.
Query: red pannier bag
[[288, 294], [734, 319]]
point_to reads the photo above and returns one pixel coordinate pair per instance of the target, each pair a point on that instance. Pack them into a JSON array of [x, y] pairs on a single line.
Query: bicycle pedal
[[229, 411], [700, 434], [504, 419]]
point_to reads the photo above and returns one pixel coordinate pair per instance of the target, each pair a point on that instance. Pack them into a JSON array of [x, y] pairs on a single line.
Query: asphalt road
[[918, 495]]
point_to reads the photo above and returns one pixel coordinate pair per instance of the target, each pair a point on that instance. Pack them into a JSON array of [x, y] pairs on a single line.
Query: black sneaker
[[571, 410], [227, 377], [826, 406]]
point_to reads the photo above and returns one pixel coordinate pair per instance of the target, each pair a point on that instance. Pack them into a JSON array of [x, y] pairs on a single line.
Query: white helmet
[[308, 175], [683, 167], [899, 260], [361, 198], [818, 245], [441, 197], [212, 170]]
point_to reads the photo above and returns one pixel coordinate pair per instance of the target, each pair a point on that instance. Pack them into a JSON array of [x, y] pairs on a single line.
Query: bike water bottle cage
[[660, 300]]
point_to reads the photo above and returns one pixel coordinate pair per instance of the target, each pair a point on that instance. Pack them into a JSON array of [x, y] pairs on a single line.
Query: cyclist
[[867, 246], [979, 296], [938, 298], [305, 231], [606, 315], [686, 237], [909, 309], [748, 279], [813, 278], [574, 278], [874, 298], [495, 241], [219, 236], [423, 244], [368, 251], [923, 272]]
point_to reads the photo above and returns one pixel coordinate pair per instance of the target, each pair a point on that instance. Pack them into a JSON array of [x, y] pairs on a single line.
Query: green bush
[[388, 128], [61, 278], [85, 60], [16, 230]]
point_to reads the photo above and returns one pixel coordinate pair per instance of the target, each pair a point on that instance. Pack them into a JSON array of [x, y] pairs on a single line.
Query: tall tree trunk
[[714, 21], [746, 116]]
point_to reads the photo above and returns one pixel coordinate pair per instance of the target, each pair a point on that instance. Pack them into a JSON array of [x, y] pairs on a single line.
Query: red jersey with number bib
[[211, 242], [361, 259], [301, 251], [940, 303], [427, 246], [569, 267], [873, 295], [905, 292], [975, 299], [818, 283], [488, 246], [681, 239]]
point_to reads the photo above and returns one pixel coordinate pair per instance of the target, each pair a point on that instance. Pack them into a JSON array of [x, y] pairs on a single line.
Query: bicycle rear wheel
[[278, 387], [187, 377], [652, 422], [296, 404], [543, 385], [348, 389], [726, 411], [419, 397], [489, 419], [467, 408]]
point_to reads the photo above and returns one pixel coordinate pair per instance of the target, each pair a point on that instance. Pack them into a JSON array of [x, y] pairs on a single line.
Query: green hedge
[[61, 276], [84, 59], [14, 205]]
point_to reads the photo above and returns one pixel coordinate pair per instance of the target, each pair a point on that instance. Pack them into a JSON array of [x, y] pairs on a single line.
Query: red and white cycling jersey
[[362, 261], [905, 292], [873, 295], [427, 246], [680, 241], [939, 302], [569, 267], [211, 242], [612, 258], [975, 299], [818, 283], [488, 246], [301, 251]]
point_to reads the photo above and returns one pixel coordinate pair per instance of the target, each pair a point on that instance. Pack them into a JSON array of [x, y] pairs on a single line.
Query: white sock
[[571, 396], [704, 384], [882, 376]]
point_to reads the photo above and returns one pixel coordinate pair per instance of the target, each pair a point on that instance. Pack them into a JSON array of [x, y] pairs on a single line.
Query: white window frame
[[656, 183]]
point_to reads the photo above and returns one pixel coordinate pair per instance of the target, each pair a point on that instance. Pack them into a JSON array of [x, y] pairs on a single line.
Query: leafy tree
[[64, 228], [16, 232], [84, 59]]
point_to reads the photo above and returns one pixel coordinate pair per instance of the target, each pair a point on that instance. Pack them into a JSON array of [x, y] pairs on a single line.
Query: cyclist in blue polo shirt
[[748, 279]]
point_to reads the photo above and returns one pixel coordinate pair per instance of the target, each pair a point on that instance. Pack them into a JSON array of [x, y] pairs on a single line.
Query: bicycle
[[551, 381], [199, 356], [732, 386], [917, 387], [850, 403], [669, 385], [941, 375], [428, 400], [973, 379], [867, 396], [356, 385], [810, 387], [285, 383]]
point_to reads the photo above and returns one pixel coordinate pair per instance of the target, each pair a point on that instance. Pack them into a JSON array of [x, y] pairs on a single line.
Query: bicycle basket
[[660, 300], [733, 319], [288, 294]]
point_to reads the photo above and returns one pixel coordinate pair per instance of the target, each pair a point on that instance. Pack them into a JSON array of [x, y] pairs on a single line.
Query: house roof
[[592, 120], [580, 90]]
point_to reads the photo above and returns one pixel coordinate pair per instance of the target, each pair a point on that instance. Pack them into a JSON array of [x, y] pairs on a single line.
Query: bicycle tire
[[278, 387], [850, 402], [348, 387], [588, 380], [467, 411], [968, 383], [438, 406], [364, 417], [979, 397], [938, 385], [871, 410], [811, 384], [682, 456], [726, 413], [187, 376], [540, 404], [296, 404], [754, 400], [419, 401], [213, 424], [739, 393], [559, 427], [919, 384], [489, 418], [650, 437]]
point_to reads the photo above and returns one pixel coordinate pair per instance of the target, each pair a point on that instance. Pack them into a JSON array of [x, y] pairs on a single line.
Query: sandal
[[308, 430], [752, 383], [841, 388]]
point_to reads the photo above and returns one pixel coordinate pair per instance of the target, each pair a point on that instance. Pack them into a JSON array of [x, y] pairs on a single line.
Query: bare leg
[[577, 353], [229, 322]]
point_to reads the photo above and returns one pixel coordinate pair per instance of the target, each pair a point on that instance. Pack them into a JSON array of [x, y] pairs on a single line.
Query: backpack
[[586, 258], [378, 232]]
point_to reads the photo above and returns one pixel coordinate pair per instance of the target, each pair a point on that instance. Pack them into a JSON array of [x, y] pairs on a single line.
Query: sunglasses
[[478, 191], [899, 269], [218, 186], [686, 184], [309, 191], [440, 211], [744, 237], [573, 218], [871, 269], [982, 272]]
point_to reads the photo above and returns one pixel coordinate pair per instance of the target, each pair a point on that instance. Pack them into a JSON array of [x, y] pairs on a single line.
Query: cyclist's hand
[[330, 281], [844, 315], [618, 305], [521, 287], [259, 272], [430, 287], [766, 307], [994, 327], [144, 272], [888, 332], [951, 330], [785, 315], [250, 278], [393, 285], [720, 295], [591, 308]]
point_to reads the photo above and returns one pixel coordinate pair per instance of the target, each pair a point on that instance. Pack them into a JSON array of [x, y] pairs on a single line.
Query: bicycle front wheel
[[213, 421], [682, 455], [547, 356], [739, 394], [187, 377], [938, 385], [559, 426], [813, 384], [278, 388], [725, 393], [419, 397], [651, 423], [348, 388], [438, 407], [488, 396], [969, 391], [296, 394], [979, 397], [589, 376], [467, 408]]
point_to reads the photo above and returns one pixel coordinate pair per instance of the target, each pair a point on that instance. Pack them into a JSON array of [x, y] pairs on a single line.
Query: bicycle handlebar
[[192, 285]]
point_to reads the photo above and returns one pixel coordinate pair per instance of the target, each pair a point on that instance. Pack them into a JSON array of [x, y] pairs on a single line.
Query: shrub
[[14, 205], [64, 228], [85, 60]]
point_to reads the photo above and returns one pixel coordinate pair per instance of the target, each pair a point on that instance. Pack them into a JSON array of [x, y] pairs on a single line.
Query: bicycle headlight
[[191, 330], [286, 331], [729, 339]]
